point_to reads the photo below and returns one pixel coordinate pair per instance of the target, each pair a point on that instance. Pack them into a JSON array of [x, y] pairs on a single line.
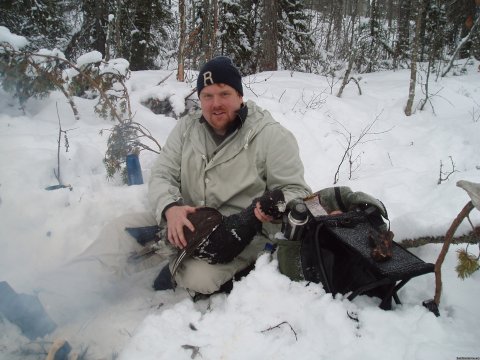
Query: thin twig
[[441, 177], [164, 79], [278, 326], [195, 350], [351, 145], [57, 173]]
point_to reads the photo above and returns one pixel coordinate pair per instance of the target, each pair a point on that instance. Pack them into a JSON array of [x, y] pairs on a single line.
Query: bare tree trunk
[[373, 35], [213, 39], [403, 31], [118, 48], [108, 40], [207, 31], [338, 16], [329, 33], [100, 22], [270, 40], [181, 42], [143, 23], [413, 69], [390, 12], [351, 59]]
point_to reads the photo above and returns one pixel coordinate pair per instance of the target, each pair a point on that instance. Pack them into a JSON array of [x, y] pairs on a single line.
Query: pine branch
[[29, 57]]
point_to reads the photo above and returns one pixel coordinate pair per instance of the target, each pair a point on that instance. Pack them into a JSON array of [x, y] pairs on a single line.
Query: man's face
[[220, 103]]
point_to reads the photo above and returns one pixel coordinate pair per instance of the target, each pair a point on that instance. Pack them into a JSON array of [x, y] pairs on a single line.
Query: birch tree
[[413, 68]]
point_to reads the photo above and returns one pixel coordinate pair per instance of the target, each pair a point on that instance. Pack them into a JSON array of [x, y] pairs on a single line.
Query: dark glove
[[273, 203]]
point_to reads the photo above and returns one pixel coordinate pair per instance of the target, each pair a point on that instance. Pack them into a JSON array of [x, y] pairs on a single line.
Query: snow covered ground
[[266, 316]]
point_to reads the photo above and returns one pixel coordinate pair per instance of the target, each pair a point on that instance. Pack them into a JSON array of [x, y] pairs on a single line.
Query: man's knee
[[201, 277]]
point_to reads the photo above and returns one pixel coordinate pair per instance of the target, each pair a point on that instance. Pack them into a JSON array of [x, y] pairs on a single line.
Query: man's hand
[[176, 219], [260, 215], [270, 206]]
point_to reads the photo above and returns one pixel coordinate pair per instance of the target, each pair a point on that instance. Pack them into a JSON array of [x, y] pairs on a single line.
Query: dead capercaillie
[[381, 244], [218, 238]]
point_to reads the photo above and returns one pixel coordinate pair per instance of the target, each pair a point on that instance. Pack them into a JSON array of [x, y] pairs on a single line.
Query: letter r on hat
[[207, 78]]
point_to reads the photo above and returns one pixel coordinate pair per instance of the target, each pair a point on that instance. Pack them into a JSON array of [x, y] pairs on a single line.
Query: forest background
[[340, 40], [89, 49], [321, 37]]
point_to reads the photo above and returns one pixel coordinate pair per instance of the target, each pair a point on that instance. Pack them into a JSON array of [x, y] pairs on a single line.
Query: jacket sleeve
[[284, 168], [164, 184]]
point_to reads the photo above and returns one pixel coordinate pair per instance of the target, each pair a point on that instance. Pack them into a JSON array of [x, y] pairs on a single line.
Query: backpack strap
[[338, 198]]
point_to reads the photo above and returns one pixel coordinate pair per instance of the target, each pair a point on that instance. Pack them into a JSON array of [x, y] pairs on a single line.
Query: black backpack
[[341, 252]]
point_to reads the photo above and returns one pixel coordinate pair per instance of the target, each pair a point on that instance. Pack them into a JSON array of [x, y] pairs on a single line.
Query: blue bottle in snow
[[268, 249], [134, 170]]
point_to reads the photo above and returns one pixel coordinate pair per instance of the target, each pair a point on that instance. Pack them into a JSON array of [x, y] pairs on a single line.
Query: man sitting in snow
[[222, 158]]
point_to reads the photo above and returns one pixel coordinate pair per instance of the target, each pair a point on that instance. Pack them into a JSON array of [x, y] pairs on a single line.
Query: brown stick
[[446, 244], [278, 325]]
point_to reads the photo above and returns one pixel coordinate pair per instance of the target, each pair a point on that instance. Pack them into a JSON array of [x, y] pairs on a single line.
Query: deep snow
[[266, 316]]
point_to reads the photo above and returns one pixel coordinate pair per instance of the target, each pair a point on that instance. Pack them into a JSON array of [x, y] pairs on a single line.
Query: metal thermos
[[296, 220]]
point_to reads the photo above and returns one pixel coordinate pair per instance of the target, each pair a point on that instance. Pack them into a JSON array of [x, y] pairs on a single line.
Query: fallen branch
[[448, 239]]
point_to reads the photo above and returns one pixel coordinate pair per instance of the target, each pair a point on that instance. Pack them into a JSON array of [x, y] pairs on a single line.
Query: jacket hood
[[255, 122]]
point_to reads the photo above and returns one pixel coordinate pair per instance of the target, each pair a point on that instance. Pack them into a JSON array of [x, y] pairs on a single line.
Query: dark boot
[[163, 280]]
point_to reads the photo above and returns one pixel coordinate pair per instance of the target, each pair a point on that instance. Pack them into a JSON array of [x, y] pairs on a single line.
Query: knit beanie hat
[[217, 71]]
